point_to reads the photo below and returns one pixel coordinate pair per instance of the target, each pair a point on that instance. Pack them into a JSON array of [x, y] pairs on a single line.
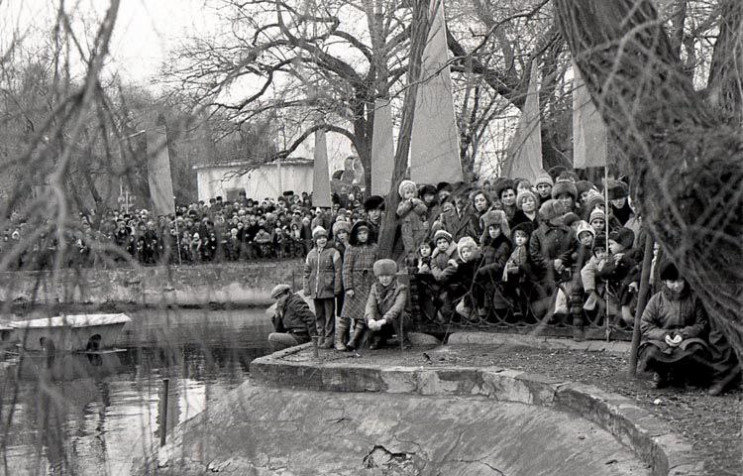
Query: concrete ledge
[[493, 338], [648, 436]]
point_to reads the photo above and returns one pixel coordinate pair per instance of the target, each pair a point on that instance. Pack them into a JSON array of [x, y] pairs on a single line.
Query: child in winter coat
[[590, 271], [520, 283], [423, 264], [412, 214], [385, 308], [463, 285], [358, 265], [444, 256], [322, 282]]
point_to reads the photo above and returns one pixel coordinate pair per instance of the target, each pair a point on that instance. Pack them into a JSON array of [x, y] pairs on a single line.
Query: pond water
[[97, 415]]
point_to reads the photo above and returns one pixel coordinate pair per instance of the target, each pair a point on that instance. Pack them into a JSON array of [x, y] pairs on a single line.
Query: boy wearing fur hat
[[412, 214], [322, 282], [357, 280], [385, 310]]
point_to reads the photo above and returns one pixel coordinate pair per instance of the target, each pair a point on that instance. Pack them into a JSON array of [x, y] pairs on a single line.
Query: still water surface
[[97, 416]]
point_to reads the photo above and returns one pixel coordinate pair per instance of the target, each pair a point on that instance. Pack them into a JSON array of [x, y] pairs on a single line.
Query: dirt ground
[[711, 424]]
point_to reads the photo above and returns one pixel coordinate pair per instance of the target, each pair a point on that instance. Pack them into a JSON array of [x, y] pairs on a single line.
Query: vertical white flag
[[383, 149], [525, 154], [158, 171], [321, 173], [589, 132], [434, 146]]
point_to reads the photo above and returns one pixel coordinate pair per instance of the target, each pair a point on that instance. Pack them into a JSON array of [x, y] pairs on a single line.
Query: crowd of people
[[551, 249]]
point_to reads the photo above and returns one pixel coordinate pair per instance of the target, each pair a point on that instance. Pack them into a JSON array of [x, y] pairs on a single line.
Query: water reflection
[[79, 414]]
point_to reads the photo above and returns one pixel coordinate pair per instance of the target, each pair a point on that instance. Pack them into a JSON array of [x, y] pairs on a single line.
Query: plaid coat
[[358, 276]]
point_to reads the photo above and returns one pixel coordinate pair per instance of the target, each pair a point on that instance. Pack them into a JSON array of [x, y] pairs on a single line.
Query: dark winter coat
[[682, 315], [548, 243], [294, 317]]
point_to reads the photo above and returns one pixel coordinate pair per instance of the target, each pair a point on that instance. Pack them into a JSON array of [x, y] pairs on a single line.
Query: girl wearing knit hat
[[385, 312], [412, 214], [323, 282], [443, 257], [358, 264]]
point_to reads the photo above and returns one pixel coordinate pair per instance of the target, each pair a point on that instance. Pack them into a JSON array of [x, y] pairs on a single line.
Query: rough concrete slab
[[650, 438], [488, 338], [273, 431]]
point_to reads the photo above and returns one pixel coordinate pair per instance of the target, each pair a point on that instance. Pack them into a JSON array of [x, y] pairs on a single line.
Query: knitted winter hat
[[583, 186], [544, 177], [406, 185], [467, 243], [442, 234], [375, 202], [564, 185], [623, 236], [599, 242], [444, 186], [669, 272], [340, 226], [570, 218], [596, 214], [593, 199], [385, 267], [551, 209], [280, 289], [584, 227], [523, 195], [428, 189], [318, 232], [617, 189]]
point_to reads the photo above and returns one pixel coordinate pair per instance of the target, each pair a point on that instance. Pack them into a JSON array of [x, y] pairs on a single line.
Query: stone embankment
[[229, 284], [374, 415]]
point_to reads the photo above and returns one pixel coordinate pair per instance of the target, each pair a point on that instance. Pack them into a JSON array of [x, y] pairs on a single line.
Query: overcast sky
[[145, 29]]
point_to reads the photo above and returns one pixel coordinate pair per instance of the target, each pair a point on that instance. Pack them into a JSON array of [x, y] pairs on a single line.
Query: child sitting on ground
[[385, 308]]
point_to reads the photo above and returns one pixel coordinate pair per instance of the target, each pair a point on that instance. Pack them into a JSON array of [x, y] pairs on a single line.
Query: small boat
[[70, 333]]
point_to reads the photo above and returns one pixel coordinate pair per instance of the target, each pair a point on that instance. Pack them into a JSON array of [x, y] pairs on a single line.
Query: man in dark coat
[[293, 322]]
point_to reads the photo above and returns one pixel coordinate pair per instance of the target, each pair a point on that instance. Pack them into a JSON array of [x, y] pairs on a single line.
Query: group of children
[[508, 252]]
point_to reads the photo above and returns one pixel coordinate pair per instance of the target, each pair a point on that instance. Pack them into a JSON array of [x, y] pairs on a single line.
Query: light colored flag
[[589, 132], [158, 171], [434, 146], [383, 149], [525, 154], [321, 173]]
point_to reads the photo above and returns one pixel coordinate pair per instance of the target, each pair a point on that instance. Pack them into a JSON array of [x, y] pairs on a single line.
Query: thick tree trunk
[[418, 42], [725, 90], [686, 161]]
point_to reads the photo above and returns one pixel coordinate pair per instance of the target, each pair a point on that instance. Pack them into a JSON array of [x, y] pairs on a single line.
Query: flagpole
[[606, 207]]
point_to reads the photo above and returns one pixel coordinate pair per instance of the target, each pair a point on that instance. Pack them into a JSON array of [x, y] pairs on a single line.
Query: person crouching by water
[[675, 332], [386, 305], [293, 322]]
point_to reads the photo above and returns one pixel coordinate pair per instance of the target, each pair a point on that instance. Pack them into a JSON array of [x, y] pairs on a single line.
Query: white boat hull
[[74, 333]]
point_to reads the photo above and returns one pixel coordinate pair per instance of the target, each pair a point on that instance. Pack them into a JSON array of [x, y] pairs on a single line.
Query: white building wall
[[264, 181]]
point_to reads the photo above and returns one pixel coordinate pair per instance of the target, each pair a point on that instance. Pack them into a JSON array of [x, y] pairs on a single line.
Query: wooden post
[[642, 299], [606, 215], [164, 413]]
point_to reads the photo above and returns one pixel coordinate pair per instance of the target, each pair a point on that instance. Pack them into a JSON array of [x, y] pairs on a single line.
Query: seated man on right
[[675, 333]]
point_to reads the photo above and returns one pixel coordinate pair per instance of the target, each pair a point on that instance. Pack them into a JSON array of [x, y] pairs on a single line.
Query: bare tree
[[686, 162]]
